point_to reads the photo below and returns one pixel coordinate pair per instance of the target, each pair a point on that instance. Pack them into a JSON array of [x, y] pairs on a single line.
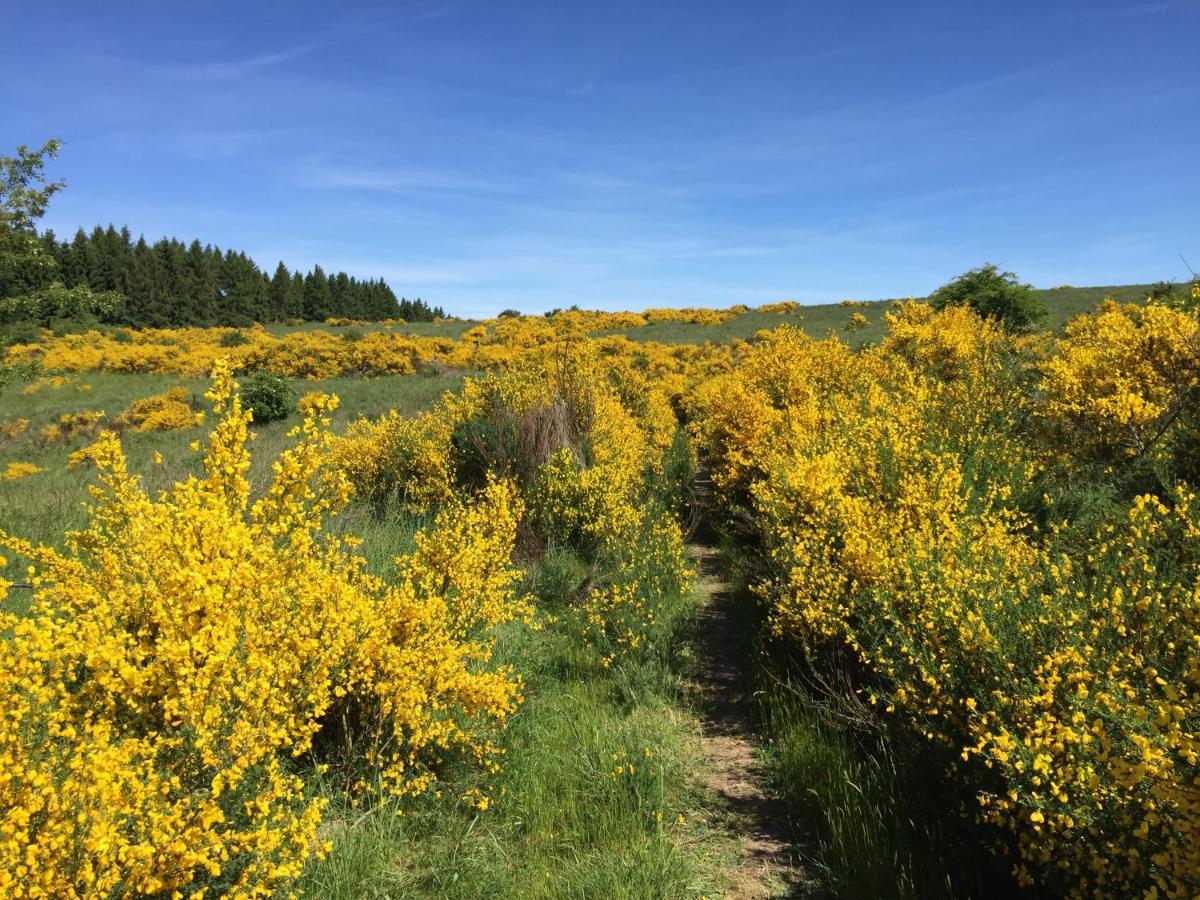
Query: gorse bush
[[168, 411], [268, 398], [992, 536], [588, 464], [498, 345], [184, 658], [907, 498]]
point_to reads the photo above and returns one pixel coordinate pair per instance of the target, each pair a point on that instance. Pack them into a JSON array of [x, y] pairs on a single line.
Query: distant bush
[[1162, 290], [234, 338], [994, 295], [79, 324], [20, 333], [352, 335], [857, 321], [268, 397], [510, 314]]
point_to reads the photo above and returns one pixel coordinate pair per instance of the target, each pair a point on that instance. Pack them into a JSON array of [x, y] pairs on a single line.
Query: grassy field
[[42, 506], [449, 328], [819, 320], [599, 794], [1063, 304]]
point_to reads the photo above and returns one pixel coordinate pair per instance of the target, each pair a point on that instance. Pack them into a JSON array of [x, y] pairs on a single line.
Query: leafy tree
[[24, 195], [24, 191], [60, 302], [995, 295]]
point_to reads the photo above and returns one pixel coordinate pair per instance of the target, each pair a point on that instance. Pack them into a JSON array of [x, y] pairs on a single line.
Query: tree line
[[108, 276], [170, 283]]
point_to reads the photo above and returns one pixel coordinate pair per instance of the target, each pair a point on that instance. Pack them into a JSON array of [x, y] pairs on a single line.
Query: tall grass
[[874, 813], [595, 798], [873, 821]]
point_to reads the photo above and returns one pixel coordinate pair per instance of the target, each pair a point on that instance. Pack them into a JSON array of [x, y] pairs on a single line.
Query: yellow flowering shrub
[[168, 411], [783, 307], [889, 488], [13, 428], [500, 345], [71, 426], [581, 434], [46, 382], [16, 470], [1119, 379], [184, 652]]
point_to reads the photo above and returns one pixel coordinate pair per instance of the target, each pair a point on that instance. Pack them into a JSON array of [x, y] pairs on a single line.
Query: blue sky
[[625, 155]]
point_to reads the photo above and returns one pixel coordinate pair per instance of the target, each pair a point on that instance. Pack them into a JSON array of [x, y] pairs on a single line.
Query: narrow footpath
[[768, 868]]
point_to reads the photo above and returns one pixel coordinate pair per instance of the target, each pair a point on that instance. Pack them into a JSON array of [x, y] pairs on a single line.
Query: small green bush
[[269, 398], [20, 333], [80, 324], [234, 338], [994, 295]]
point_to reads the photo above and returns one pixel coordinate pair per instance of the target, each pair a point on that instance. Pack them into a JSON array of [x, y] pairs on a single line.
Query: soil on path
[[768, 867]]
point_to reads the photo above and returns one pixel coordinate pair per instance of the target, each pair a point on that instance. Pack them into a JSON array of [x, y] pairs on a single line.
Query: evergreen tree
[[296, 299], [317, 296], [279, 295]]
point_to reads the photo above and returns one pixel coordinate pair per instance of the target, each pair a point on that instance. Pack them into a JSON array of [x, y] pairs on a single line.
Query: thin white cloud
[[225, 70], [394, 180], [216, 144]]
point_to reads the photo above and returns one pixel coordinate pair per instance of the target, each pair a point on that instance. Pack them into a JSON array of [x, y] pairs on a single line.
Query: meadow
[[435, 630]]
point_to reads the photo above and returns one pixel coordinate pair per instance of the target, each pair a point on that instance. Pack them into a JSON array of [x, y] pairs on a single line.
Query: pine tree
[[279, 300], [317, 305]]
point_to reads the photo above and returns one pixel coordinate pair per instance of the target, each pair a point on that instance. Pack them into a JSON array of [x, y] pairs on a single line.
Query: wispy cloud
[[1153, 9], [1133, 11], [225, 70], [398, 180], [216, 144]]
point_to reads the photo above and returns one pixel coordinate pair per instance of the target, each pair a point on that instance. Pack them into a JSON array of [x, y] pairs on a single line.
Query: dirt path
[[768, 869]]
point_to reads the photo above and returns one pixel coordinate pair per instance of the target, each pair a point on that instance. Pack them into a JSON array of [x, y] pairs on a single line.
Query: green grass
[[562, 823], [448, 328], [44, 506], [872, 814], [875, 820], [821, 320]]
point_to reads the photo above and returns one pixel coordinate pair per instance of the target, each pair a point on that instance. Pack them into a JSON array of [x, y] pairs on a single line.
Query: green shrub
[[994, 295], [234, 338], [20, 333], [269, 398], [80, 324]]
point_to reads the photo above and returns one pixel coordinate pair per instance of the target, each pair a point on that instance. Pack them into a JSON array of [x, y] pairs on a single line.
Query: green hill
[[1063, 303]]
